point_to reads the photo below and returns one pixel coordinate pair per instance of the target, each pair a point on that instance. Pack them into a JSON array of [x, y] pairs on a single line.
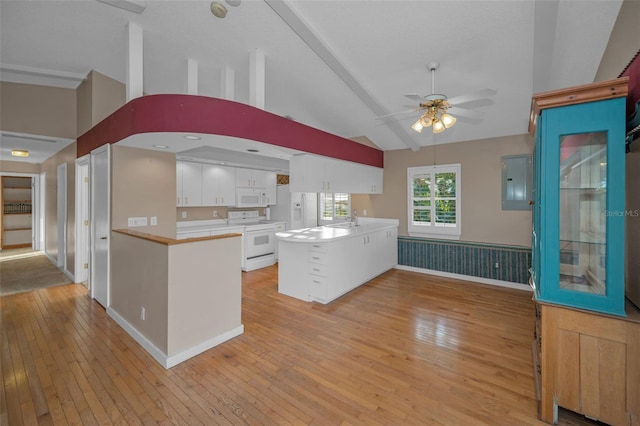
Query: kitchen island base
[[321, 264]]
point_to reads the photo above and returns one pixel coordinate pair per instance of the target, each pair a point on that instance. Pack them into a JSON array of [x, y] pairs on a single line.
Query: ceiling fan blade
[[414, 96], [474, 96], [461, 112], [397, 113]]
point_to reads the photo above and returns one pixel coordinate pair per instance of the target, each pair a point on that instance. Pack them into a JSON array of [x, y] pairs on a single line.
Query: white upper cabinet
[[203, 184], [218, 185], [251, 178], [311, 173], [272, 183], [188, 183], [368, 179]]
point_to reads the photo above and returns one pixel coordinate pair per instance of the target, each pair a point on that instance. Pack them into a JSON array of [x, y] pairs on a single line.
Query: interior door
[[100, 224], [82, 220]]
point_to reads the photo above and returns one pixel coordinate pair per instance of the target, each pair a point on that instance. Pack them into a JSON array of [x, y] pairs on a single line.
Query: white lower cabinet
[[324, 271], [280, 227]]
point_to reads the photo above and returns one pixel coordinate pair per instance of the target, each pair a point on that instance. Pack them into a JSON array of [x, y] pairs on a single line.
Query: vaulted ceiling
[[334, 65]]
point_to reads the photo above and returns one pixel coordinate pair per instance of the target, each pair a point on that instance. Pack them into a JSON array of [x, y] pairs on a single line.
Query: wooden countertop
[[172, 241], [633, 313]]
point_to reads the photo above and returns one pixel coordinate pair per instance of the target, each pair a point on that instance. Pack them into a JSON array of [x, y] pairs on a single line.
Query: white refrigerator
[[298, 209]]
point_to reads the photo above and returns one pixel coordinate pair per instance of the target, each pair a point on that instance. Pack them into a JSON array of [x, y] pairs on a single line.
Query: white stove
[[258, 239]]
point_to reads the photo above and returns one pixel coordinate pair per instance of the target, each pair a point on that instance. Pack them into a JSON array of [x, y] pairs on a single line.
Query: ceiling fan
[[436, 109]]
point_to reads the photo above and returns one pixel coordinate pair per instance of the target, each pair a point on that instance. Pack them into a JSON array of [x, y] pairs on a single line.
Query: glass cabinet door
[[579, 211]]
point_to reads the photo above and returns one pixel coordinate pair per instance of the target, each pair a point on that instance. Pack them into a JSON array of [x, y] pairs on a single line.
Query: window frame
[[334, 218], [433, 230]]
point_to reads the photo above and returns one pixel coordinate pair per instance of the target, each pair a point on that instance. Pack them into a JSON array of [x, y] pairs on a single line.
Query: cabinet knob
[[531, 202]]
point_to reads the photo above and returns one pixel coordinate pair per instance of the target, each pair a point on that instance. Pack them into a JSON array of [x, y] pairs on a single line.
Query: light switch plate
[[154, 220]]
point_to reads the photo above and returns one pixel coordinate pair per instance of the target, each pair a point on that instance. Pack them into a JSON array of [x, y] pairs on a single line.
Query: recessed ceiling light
[[161, 146], [253, 150], [20, 153], [192, 137]]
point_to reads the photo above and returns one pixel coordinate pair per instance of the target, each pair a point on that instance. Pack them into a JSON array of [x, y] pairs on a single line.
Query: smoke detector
[[218, 9]]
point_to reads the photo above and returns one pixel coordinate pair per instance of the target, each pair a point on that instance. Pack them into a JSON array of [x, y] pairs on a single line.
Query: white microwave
[[250, 197]]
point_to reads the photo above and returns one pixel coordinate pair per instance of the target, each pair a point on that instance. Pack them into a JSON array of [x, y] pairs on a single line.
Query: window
[[333, 207], [434, 201]]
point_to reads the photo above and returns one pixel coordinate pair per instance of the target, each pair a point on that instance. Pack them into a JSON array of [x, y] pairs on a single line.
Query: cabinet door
[[316, 175], [582, 200], [210, 185], [191, 184], [375, 177], [387, 241], [243, 178], [259, 178], [250, 178], [271, 184], [227, 186], [179, 183]]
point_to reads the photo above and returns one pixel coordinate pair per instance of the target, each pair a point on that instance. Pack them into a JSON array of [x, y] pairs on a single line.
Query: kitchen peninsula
[[323, 263], [177, 298]]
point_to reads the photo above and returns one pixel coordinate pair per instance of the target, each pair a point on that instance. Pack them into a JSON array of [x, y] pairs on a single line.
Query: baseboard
[[64, 271], [175, 359], [499, 283], [204, 346]]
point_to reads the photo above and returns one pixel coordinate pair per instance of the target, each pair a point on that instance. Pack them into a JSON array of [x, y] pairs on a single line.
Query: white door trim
[[61, 218], [82, 211], [93, 237], [37, 209]]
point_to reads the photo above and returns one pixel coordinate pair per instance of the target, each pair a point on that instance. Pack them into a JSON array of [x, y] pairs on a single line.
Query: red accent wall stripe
[[200, 114]]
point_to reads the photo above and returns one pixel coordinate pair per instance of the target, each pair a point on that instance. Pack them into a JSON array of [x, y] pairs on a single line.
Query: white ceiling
[[334, 65]]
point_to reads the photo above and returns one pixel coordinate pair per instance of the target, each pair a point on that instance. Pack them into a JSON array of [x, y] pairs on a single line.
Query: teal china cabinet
[[579, 196]]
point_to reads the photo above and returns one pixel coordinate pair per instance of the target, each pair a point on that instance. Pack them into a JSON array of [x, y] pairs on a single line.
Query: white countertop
[[327, 233], [215, 224]]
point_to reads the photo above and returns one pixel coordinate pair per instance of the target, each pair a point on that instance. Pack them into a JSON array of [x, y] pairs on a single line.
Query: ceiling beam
[[304, 30]]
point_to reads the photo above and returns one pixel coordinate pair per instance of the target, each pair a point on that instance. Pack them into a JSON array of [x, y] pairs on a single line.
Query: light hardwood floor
[[403, 349]]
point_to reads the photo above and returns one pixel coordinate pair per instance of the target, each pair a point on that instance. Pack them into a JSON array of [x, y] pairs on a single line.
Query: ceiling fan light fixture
[[438, 127], [417, 126], [447, 120], [426, 120]]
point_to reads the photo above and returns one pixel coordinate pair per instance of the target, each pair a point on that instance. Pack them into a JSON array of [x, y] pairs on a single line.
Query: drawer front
[[318, 257], [318, 288], [318, 269], [320, 247]]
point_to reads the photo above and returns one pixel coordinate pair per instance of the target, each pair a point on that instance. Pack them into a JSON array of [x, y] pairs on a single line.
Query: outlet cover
[[132, 222], [154, 220]]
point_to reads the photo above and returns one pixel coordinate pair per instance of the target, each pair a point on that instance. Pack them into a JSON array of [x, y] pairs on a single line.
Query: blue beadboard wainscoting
[[466, 258]]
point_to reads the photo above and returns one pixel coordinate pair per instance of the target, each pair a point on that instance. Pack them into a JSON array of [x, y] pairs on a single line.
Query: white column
[[256, 78], [134, 73], [192, 77], [227, 84]]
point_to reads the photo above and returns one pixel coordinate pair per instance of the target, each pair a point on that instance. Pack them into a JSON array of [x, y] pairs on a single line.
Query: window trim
[[334, 219], [430, 230]]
